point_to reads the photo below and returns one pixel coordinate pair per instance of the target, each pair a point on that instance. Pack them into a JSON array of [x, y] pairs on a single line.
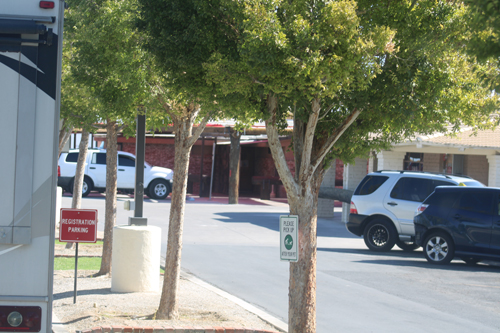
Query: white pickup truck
[[157, 180]]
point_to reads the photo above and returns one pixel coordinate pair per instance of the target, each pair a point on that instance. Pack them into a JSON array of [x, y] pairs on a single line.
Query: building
[[476, 155]]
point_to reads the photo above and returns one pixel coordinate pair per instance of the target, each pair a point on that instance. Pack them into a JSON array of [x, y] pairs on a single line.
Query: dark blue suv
[[459, 221]]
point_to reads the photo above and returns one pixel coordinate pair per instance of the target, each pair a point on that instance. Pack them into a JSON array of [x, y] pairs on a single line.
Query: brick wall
[[432, 162], [476, 166], [339, 172], [156, 154]]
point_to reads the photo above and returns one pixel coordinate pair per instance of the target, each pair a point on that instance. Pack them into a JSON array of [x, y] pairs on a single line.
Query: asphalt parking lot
[[235, 248]]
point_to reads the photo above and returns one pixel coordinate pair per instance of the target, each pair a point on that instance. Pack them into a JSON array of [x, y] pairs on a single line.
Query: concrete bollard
[[136, 258]]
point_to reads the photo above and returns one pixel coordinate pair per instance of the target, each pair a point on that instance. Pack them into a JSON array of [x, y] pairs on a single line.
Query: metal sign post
[[78, 226], [289, 238]]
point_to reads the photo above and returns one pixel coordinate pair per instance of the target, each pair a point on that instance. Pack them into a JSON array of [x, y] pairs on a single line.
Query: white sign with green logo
[[289, 237]]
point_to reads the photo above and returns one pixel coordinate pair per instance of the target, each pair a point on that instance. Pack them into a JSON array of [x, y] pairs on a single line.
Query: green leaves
[[401, 62], [107, 56]]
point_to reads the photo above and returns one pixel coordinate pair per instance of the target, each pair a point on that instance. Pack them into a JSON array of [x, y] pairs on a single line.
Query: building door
[[458, 164], [247, 170]]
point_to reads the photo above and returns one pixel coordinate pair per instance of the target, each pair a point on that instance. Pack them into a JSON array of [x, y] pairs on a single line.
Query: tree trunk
[[79, 174], [80, 171], [302, 192], [64, 134], [302, 284], [234, 167], [168, 308], [111, 187]]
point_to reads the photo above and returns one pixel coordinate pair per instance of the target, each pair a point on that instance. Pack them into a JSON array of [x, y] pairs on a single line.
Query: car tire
[[159, 189], [380, 235], [439, 248], [87, 186], [407, 246]]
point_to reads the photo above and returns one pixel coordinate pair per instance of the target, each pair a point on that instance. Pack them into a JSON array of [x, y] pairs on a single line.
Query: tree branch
[[298, 141], [328, 145], [201, 127], [305, 170], [276, 149]]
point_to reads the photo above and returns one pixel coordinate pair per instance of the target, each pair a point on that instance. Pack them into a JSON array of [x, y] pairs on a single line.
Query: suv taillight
[[58, 171], [353, 209], [420, 209]]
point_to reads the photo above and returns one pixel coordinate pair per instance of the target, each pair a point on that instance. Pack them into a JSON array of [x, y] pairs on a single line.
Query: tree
[[193, 101], [355, 77], [78, 110], [183, 116], [234, 166], [107, 59]]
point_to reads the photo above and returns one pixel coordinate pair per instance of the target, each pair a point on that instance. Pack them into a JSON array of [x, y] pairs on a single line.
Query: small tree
[[188, 103], [183, 117], [108, 61]]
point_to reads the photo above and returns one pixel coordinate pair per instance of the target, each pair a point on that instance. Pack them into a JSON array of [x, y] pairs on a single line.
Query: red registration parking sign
[[78, 225]]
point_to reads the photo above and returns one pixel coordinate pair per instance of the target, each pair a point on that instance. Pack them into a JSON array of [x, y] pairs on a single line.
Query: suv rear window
[[442, 199], [370, 184], [412, 189], [72, 157]]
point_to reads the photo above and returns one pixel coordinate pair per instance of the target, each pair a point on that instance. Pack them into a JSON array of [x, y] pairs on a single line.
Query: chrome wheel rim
[[379, 235], [160, 189], [437, 249]]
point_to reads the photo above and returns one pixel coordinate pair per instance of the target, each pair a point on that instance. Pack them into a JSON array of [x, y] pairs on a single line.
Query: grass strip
[[84, 264]]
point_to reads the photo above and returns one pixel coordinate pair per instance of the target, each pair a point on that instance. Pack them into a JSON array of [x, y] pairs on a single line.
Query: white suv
[[157, 180], [384, 203]]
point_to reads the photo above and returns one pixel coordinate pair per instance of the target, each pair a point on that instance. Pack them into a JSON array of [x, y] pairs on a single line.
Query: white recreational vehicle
[[30, 69]]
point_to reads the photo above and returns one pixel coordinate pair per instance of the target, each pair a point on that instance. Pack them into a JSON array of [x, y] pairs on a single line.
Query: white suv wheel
[[159, 189]]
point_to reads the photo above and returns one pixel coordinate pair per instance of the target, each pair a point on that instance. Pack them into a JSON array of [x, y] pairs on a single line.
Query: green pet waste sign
[[289, 238]]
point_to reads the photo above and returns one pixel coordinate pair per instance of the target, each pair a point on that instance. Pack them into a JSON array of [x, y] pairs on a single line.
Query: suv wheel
[[87, 186], [439, 248], [380, 235], [407, 246], [159, 189]]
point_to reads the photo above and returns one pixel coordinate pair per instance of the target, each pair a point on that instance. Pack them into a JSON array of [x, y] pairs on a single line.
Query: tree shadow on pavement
[[70, 294], [326, 227]]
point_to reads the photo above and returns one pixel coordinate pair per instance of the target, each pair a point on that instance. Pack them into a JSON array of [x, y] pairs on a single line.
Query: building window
[[414, 162]]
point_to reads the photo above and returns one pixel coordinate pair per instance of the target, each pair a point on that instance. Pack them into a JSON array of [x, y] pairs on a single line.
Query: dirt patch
[[96, 305]]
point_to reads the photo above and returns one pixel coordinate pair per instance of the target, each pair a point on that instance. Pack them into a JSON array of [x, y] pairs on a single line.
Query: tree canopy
[[401, 63]]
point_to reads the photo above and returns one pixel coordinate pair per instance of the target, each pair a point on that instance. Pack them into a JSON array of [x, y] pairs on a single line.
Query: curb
[[169, 329]]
